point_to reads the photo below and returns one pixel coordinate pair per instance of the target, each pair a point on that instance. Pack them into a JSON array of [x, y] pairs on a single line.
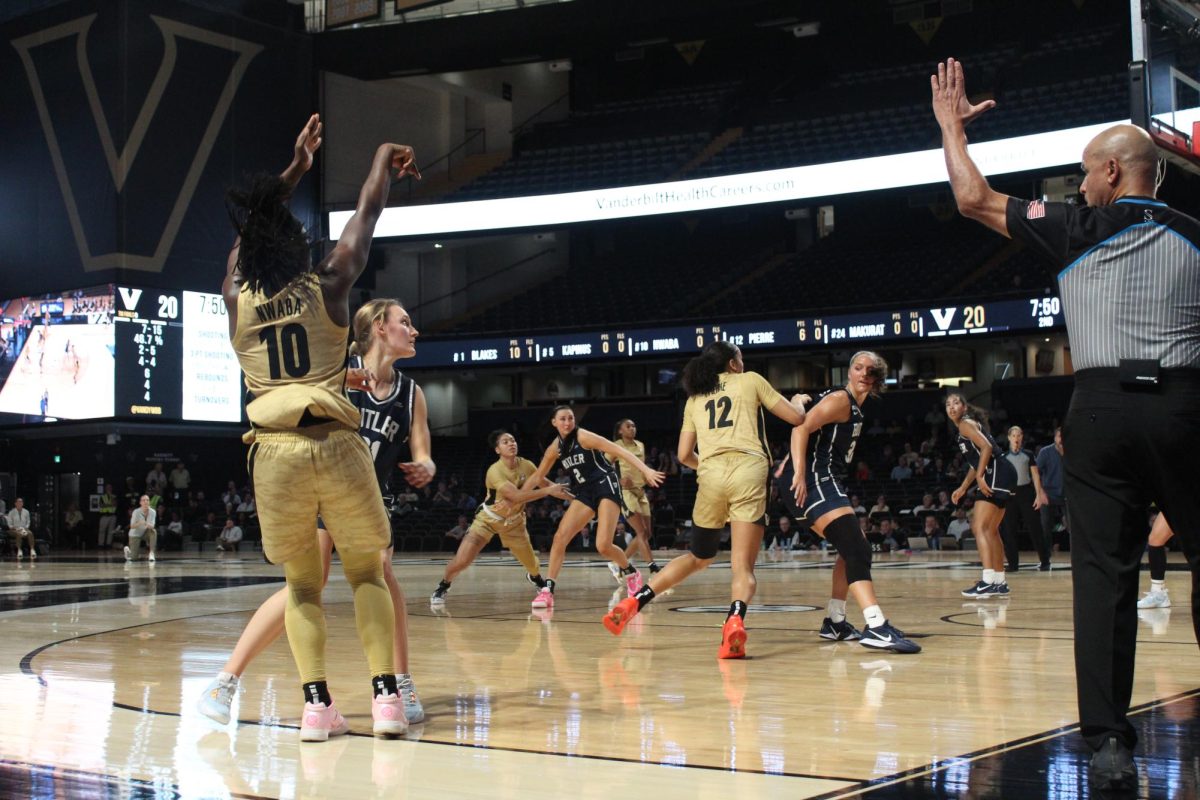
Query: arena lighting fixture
[[1018, 154]]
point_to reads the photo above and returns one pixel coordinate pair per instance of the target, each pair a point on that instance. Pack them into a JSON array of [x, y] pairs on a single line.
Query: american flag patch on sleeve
[[1035, 210]]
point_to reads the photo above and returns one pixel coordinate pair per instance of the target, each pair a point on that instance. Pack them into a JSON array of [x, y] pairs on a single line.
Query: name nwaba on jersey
[[279, 307]]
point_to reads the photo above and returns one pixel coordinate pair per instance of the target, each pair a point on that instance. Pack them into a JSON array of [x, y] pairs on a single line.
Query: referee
[[1024, 504], [1130, 284]]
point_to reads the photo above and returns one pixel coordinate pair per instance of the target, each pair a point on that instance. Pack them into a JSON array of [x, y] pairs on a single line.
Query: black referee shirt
[[1129, 280]]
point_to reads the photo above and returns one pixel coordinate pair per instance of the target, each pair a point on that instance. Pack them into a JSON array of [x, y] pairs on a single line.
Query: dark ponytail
[[617, 428], [274, 248], [701, 374]]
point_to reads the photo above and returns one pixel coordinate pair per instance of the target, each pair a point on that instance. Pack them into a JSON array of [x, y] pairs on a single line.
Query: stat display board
[[173, 357], [868, 328]]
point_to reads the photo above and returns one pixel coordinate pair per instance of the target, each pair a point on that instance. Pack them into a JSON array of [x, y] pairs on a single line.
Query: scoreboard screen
[[869, 328], [173, 357]]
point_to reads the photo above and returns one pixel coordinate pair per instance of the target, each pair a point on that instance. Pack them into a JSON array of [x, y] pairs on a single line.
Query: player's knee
[[845, 534], [705, 543]]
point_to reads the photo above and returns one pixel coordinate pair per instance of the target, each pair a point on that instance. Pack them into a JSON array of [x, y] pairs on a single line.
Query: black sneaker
[[839, 631], [536, 580], [438, 598], [885, 637], [1112, 766], [655, 569], [978, 590]]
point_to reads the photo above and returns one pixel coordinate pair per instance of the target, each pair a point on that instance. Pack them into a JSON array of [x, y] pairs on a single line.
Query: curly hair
[[701, 374], [274, 248]]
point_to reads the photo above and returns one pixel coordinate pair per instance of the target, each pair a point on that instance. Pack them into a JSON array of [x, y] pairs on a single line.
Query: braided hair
[[274, 248]]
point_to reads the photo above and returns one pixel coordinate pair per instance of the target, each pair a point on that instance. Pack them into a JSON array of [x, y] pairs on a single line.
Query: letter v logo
[[130, 297], [943, 317], [119, 164]]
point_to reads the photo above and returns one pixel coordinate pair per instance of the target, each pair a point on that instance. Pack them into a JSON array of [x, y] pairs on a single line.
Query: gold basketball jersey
[[293, 356], [626, 471], [731, 419], [499, 474]]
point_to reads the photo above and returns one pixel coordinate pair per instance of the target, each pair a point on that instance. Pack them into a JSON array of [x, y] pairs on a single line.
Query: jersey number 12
[[725, 405]]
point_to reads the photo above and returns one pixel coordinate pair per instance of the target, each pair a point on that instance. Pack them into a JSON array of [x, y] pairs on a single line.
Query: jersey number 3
[[287, 348], [725, 405]]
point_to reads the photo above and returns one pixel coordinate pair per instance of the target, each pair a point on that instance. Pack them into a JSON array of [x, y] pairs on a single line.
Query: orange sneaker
[[616, 619], [733, 638]]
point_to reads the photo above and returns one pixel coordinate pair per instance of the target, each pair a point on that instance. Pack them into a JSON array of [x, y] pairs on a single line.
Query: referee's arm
[[976, 200]]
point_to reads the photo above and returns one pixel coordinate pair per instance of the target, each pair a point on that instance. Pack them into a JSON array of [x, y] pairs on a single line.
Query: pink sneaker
[[633, 582], [388, 713], [320, 721], [543, 599]]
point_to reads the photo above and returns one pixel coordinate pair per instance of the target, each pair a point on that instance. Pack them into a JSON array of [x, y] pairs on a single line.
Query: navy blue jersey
[[385, 424], [831, 447], [1000, 472], [583, 465]]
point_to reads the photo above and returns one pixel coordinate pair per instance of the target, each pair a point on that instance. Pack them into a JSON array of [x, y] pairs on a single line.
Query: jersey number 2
[[725, 405], [288, 348]]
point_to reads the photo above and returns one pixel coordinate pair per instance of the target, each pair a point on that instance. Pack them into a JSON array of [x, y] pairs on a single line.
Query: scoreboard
[[868, 328], [173, 357]]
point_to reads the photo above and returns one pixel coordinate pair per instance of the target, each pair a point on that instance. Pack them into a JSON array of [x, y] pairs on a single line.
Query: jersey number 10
[[289, 350]]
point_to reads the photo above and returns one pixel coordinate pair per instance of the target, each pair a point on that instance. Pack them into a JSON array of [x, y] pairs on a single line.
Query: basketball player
[[724, 417], [502, 514], [1160, 534], [822, 451], [288, 323], [596, 491], [394, 419], [996, 480], [633, 493]]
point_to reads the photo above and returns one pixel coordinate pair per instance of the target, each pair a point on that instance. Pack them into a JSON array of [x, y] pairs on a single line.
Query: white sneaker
[[128, 555], [1155, 600], [20, 554], [33, 554], [616, 572], [151, 556], [414, 712], [217, 700]]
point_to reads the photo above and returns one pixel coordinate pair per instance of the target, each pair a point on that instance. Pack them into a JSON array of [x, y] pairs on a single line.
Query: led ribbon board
[[1018, 154]]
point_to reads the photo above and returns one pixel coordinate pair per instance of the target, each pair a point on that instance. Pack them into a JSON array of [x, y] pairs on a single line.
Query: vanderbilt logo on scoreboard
[[161, 141]]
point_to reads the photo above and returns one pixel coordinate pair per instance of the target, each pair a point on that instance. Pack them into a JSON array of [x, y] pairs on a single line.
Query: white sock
[[227, 677], [874, 616], [1158, 586], [998, 577], [988, 575], [836, 610]]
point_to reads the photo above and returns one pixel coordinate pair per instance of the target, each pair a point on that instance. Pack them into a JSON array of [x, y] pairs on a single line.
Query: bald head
[[1121, 160]]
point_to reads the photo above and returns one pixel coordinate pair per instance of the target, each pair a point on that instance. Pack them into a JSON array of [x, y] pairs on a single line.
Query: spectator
[[890, 535], [881, 506], [174, 530], [454, 535], [901, 472], [230, 536], [443, 497], [156, 478], [943, 500], [180, 481], [72, 524], [21, 529], [926, 506], [862, 472], [230, 498], [856, 505], [781, 535], [933, 532], [141, 526], [247, 506], [959, 526]]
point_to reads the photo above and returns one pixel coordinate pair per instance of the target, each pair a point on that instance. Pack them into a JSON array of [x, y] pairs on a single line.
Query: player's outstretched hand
[[950, 103], [404, 161], [417, 473], [560, 491], [309, 142], [654, 477]]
